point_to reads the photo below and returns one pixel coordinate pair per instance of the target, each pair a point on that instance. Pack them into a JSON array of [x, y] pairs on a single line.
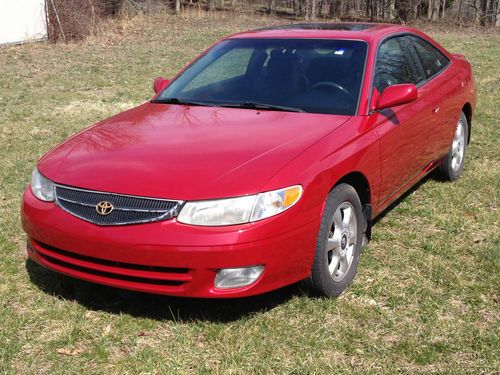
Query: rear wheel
[[453, 163], [339, 242]]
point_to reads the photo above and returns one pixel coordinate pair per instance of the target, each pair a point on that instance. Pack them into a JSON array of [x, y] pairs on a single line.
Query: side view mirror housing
[[159, 84], [396, 95]]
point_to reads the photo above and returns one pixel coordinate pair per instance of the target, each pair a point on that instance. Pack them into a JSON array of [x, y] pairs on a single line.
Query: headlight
[[239, 210], [218, 211], [273, 202], [41, 187]]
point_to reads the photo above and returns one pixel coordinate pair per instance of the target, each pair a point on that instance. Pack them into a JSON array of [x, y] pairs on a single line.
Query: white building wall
[[22, 21]]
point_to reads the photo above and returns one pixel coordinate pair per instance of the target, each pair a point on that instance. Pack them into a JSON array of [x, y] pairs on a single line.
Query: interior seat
[[279, 81]]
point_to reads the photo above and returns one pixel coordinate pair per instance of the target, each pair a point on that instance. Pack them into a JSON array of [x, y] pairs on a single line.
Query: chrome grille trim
[[128, 209]]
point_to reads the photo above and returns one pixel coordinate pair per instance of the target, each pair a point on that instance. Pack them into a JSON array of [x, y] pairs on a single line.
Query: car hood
[[185, 152]]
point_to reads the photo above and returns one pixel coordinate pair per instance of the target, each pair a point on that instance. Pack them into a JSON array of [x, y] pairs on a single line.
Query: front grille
[[127, 209], [107, 270]]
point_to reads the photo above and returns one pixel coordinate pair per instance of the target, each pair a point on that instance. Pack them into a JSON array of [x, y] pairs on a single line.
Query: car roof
[[368, 31]]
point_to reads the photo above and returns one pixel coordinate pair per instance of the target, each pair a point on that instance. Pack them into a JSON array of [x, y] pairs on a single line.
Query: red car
[[260, 164]]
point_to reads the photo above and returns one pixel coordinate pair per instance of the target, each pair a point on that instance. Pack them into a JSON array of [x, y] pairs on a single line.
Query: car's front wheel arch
[[467, 110], [338, 243], [362, 186]]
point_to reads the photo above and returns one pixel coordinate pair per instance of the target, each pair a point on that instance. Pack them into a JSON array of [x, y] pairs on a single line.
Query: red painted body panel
[[396, 95], [282, 244], [194, 153], [185, 153]]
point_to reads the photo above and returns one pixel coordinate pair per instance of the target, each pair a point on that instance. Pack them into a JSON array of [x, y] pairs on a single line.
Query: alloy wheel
[[341, 241], [458, 147]]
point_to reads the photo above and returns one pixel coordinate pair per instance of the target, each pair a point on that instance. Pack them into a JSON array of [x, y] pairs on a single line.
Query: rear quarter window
[[433, 61]]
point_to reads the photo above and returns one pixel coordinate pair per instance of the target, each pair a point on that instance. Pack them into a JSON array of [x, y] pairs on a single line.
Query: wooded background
[[76, 19], [482, 12]]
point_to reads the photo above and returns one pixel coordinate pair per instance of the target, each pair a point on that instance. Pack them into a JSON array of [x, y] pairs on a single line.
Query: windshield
[[303, 75]]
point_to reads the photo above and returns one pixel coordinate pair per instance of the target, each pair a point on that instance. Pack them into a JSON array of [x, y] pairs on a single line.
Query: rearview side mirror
[[159, 84], [396, 95]]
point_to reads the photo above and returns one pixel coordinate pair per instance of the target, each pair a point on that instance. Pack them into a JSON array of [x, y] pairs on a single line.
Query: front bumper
[[168, 257]]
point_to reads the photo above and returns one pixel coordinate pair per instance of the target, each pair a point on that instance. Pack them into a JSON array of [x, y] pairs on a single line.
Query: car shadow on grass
[[433, 175], [118, 301]]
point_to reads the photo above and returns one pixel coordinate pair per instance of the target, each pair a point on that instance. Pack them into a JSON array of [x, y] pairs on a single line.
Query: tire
[[453, 163], [339, 242]]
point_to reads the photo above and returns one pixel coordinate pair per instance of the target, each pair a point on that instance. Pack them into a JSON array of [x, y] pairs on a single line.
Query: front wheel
[[339, 242], [453, 163]]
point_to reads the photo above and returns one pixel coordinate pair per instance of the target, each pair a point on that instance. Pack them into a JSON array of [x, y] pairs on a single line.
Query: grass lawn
[[427, 294]]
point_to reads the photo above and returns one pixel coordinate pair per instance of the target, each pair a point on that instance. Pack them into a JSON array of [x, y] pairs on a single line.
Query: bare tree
[[492, 12], [497, 13], [483, 12], [459, 10], [435, 10], [272, 6], [392, 7]]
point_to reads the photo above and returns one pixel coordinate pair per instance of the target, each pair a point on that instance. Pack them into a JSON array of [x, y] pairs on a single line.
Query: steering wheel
[[331, 86]]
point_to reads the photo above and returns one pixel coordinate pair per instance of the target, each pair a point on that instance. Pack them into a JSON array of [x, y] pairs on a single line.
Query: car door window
[[433, 61], [396, 64]]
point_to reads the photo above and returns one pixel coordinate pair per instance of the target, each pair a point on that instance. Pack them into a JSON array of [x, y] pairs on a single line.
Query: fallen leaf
[[70, 351]]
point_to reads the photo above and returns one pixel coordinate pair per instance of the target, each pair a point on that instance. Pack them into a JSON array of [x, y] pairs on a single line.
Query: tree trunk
[[459, 10], [307, 9], [443, 9], [492, 13], [313, 9], [484, 12], [430, 5], [300, 6], [331, 8], [177, 6], [392, 7], [497, 14], [272, 6], [435, 10], [324, 7]]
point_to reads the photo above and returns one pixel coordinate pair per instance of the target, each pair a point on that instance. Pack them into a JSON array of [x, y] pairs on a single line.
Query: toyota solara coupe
[[262, 163]]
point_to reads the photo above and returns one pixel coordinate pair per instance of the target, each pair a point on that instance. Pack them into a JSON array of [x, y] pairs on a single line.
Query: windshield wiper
[[182, 102], [249, 105], [263, 106]]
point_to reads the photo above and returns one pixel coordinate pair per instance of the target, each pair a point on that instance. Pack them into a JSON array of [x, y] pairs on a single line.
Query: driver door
[[402, 130]]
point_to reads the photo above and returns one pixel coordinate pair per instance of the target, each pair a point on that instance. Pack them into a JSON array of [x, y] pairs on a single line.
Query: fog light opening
[[229, 278]]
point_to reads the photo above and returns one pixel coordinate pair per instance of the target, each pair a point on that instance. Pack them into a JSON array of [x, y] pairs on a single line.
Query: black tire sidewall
[[321, 279]]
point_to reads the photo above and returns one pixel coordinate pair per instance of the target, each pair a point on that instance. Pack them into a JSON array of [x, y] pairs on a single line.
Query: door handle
[[435, 110]]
